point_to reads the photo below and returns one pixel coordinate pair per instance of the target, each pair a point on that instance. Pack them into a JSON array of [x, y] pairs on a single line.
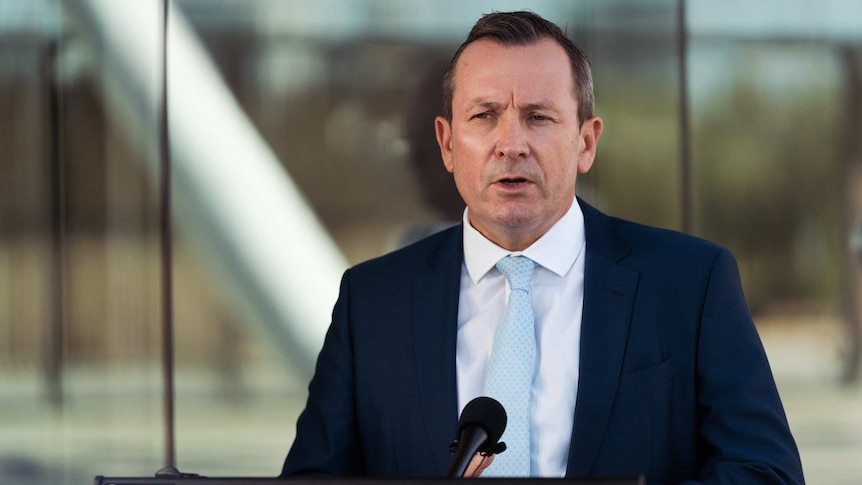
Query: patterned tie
[[510, 370]]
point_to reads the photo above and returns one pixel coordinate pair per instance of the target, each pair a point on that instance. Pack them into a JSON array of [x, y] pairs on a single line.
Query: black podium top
[[100, 480]]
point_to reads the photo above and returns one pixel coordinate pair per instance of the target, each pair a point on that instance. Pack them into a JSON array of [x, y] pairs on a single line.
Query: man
[[645, 361]]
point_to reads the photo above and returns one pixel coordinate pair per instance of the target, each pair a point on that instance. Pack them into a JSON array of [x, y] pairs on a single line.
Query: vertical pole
[[686, 200], [852, 175], [55, 351], [166, 250]]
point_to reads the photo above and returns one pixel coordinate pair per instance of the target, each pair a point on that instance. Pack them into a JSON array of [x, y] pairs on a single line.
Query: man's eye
[[482, 116], [540, 118]]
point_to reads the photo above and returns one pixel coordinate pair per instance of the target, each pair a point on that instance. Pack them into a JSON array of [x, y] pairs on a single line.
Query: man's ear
[[444, 139], [588, 141]]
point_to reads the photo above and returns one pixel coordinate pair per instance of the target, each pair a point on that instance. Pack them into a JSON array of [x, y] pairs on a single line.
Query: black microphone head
[[486, 413]]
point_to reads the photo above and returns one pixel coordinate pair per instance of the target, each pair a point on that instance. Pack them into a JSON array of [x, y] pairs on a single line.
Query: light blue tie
[[510, 370]]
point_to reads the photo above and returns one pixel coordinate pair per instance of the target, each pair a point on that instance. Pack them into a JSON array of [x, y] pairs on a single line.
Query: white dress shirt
[[557, 295]]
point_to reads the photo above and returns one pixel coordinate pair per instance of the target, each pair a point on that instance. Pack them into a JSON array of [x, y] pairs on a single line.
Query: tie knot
[[518, 270]]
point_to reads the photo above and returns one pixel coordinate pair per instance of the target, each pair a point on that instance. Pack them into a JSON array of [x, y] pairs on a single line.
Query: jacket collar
[[435, 324], [609, 291]]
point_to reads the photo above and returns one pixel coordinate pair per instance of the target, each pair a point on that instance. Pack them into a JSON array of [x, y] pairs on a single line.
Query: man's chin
[[514, 219]]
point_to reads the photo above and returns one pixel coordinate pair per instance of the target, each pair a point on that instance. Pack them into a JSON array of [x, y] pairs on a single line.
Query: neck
[[513, 238]]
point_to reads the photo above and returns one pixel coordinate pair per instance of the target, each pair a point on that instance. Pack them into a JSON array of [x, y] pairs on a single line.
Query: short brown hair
[[525, 28]]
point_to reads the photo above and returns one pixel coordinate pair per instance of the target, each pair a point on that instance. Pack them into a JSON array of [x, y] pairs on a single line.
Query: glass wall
[[304, 131], [80, 384]]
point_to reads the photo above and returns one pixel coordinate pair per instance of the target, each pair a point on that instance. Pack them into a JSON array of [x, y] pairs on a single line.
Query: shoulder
[[675, 256], [643, 246], [664, 242]]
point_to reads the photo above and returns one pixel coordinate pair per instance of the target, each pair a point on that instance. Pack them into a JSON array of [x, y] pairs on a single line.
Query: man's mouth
[[512, 181]]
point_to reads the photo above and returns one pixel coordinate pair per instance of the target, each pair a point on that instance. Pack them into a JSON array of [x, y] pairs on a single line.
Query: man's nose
[[512, 139]]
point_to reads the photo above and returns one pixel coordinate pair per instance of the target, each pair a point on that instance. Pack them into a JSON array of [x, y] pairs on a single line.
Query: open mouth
[[513, 181]]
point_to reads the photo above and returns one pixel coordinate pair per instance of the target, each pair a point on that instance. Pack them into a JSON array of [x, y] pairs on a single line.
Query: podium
[[100, 480]]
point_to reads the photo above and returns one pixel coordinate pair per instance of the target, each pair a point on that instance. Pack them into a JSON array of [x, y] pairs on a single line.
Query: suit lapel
[[609, 291], [435, 321]]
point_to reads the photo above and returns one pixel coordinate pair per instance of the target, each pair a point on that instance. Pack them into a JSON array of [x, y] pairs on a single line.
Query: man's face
[[514, 145]]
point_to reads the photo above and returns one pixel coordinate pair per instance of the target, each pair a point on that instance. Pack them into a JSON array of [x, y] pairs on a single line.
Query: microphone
[[482, 423]]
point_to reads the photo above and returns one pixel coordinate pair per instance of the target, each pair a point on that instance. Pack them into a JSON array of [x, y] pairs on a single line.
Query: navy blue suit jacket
[[674, 383]]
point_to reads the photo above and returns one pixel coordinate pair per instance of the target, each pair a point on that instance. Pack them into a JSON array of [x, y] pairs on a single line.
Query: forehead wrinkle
[[487, 104]]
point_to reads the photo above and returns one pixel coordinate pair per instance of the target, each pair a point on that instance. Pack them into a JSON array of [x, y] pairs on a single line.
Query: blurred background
[[302, 132]]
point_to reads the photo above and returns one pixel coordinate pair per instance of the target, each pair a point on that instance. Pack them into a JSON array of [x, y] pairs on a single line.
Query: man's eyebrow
[[539, 106], [484, 104]]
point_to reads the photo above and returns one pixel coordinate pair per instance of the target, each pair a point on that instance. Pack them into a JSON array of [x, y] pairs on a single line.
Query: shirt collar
[[557, 250]]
